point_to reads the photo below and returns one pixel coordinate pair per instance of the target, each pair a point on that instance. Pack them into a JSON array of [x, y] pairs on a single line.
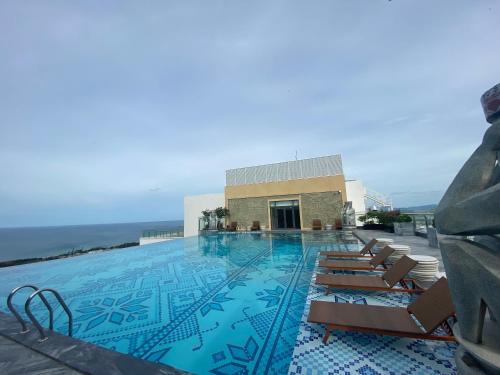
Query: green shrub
[[221, 212], [385, 218], [403, 219]]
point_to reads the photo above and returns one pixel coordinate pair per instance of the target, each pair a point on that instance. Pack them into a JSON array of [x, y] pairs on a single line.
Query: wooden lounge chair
[[317, 224], [384, 283], [432, 309], [359, 265], [233, 226], [338, 224], [366, 252], [255, 225]]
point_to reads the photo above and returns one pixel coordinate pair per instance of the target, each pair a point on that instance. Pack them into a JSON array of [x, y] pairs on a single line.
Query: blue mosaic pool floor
[[222, 304], [355, 353]]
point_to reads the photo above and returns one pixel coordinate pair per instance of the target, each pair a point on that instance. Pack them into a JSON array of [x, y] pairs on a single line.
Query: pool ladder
[[39, 292]]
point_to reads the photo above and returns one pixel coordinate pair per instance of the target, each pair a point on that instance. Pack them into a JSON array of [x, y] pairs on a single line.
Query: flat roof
[[285, 171]]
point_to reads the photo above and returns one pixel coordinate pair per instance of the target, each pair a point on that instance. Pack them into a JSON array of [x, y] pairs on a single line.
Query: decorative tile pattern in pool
[[221, 304], [355, 353]]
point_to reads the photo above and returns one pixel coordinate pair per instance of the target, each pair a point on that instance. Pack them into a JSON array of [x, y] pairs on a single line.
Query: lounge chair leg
[[326, 336]]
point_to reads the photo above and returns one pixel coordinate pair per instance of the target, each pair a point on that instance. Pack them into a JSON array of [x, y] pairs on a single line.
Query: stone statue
[[471, 207], [348, 216]]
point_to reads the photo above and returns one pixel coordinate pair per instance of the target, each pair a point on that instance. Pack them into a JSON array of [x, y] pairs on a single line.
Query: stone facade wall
[[326, 206], [247, 210]]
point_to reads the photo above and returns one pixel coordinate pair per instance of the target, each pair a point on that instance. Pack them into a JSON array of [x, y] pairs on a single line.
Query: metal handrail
[[378, 198], [43, 337], [16, 314], [426, 218]]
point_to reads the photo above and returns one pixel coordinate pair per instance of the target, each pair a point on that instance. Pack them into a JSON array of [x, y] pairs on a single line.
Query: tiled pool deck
[[418, 245], [356, 353]]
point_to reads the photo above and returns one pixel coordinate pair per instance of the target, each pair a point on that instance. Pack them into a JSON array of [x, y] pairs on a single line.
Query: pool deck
[[60, 354], [15, 358], [419, 245], [369, 354]]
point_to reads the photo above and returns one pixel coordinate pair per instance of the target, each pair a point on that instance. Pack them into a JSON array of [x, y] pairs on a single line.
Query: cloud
[[105, 102]]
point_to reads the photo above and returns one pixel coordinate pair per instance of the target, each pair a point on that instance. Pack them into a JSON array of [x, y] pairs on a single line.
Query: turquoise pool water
[[221, 304]]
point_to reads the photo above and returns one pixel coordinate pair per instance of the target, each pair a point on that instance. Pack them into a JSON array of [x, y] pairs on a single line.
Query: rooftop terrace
[[254, 292]]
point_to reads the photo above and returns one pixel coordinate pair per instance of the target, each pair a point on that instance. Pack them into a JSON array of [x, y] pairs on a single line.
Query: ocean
[[34, 242]]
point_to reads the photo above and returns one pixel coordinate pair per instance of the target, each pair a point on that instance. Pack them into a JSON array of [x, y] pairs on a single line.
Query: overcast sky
[[113, 111]]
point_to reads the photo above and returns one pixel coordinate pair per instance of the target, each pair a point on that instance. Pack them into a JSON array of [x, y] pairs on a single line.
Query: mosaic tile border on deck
[[366, 354]]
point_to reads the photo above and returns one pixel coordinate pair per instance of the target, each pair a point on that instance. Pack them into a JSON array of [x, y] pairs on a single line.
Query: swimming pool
[[219, 304]]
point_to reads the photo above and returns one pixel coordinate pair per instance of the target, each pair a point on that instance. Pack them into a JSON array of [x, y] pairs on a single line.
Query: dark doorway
[[285, 214]]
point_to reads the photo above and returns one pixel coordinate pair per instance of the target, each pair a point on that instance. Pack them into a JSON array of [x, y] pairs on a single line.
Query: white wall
[[193, 205], [355, 191]]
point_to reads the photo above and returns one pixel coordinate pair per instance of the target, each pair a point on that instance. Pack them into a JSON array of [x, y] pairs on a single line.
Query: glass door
[[285, 214]]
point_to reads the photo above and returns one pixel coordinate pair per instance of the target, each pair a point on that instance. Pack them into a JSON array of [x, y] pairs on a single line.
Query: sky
[[114, 111]]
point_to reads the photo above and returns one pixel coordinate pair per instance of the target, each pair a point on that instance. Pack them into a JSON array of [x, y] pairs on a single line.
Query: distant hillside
[[424, 208]]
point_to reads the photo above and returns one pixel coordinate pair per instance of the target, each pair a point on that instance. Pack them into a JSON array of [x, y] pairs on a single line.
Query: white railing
[[380, 200], [153, 233]]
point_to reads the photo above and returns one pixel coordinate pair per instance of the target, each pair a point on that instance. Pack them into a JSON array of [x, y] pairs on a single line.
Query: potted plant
[[373, 220], [389, 221], [221, 213], [403, 225], [206, 218]]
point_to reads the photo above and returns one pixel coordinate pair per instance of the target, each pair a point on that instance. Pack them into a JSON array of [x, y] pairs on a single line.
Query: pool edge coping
[[80, 355]]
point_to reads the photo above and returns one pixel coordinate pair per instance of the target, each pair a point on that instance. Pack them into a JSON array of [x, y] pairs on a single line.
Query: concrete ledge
[[77, 355], [149, 240]]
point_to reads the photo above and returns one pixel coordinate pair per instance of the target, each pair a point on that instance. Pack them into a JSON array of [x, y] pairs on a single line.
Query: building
[[357, 194], [193, 205], [287, 195]]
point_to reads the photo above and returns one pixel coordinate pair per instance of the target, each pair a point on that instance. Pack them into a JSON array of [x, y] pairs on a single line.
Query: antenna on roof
[[296, 155]]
